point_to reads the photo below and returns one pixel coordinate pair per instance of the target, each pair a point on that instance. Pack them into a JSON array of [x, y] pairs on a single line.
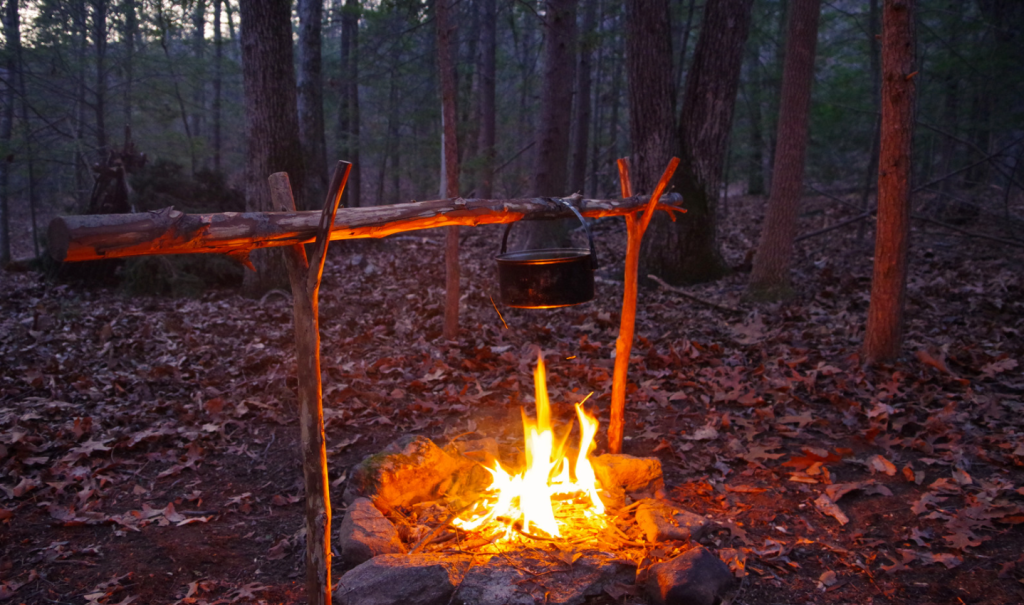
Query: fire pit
[[426, 524]]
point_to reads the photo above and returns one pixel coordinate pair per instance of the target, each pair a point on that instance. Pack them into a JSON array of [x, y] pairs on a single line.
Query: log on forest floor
[[168, 231]]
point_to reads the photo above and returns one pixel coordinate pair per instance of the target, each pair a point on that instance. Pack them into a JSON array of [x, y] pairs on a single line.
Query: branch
[[689, 296]]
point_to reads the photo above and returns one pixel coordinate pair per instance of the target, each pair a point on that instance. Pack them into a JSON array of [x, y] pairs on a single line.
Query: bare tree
[[686, 251], [770, 277], [487, 69], [883, 337]]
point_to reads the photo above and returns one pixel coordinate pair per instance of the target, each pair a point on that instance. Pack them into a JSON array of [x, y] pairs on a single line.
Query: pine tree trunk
[[883, 337], [770, 277], [271, 124], [687, 251], [551, 163], [311, 102], [649, 65], [487, 71]]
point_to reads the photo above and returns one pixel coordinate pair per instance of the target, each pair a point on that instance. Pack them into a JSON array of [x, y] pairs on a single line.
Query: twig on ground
[[689, 296]]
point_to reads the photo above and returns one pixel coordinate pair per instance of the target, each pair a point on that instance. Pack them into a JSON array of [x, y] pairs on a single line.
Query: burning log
[[168, 231]]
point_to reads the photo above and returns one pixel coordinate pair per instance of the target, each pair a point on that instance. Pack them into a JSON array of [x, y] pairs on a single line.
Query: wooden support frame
[[81, 238], [168, 231], [305, 276], [635, 228]]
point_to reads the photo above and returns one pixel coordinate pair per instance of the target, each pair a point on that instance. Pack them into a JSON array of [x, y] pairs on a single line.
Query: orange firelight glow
[[528, 495]]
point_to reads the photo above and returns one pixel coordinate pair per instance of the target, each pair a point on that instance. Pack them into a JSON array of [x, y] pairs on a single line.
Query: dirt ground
[[149, 445]]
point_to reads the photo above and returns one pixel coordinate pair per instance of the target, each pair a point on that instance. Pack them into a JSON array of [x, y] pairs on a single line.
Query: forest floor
[[149, 445]]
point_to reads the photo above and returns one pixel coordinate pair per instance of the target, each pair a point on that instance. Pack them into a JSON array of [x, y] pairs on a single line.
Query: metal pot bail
[[590, 238]]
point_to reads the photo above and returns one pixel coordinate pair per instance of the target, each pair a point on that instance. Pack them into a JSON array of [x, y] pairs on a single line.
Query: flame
[[528, 495]]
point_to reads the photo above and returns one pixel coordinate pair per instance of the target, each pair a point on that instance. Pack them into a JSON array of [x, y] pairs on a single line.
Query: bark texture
[[686, 251], [551, 164], [311, 101], [883, 337], [770, 277], [649, 65], [271, 123]]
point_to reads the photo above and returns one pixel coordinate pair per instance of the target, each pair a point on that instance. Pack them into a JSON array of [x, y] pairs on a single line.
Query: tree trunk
[[218, 80], [348, 108], [99, 38], [12, 35], [649, 65], [883, 337], [487, 69], [271, 125], [583, 99], [449, 166], [770, 277], [551, 164], [354, 188], [81, 35], [128, 35], [686, 251], [311, 101], [874, 59], [199, 77], [753, 86], [683, 47]]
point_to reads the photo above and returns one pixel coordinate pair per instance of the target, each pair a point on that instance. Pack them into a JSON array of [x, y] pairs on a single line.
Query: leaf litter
[[149, 446]]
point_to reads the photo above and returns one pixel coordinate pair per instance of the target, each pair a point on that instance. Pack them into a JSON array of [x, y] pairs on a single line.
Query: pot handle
[[590, 238]]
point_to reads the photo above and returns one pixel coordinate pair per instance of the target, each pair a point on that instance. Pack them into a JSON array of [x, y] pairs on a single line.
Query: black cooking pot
[[546, 278]]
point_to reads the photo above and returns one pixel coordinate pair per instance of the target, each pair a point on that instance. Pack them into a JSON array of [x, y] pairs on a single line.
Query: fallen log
[[168, 231]]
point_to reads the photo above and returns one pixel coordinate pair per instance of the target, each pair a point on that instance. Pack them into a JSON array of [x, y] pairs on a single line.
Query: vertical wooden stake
[[635, 228], [449, 167], [305, 280]]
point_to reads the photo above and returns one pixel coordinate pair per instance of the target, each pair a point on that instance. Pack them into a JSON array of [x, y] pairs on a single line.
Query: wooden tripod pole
[[635, 228], [305, 279]]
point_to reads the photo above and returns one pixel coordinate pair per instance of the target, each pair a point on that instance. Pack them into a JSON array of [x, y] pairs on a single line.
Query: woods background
[[77, 72]]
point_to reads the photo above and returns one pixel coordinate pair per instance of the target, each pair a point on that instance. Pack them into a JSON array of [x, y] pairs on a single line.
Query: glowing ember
[[527, 497]]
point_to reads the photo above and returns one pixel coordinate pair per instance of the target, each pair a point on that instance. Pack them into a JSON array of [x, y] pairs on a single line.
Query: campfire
[[552, 492], [426, 524]]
